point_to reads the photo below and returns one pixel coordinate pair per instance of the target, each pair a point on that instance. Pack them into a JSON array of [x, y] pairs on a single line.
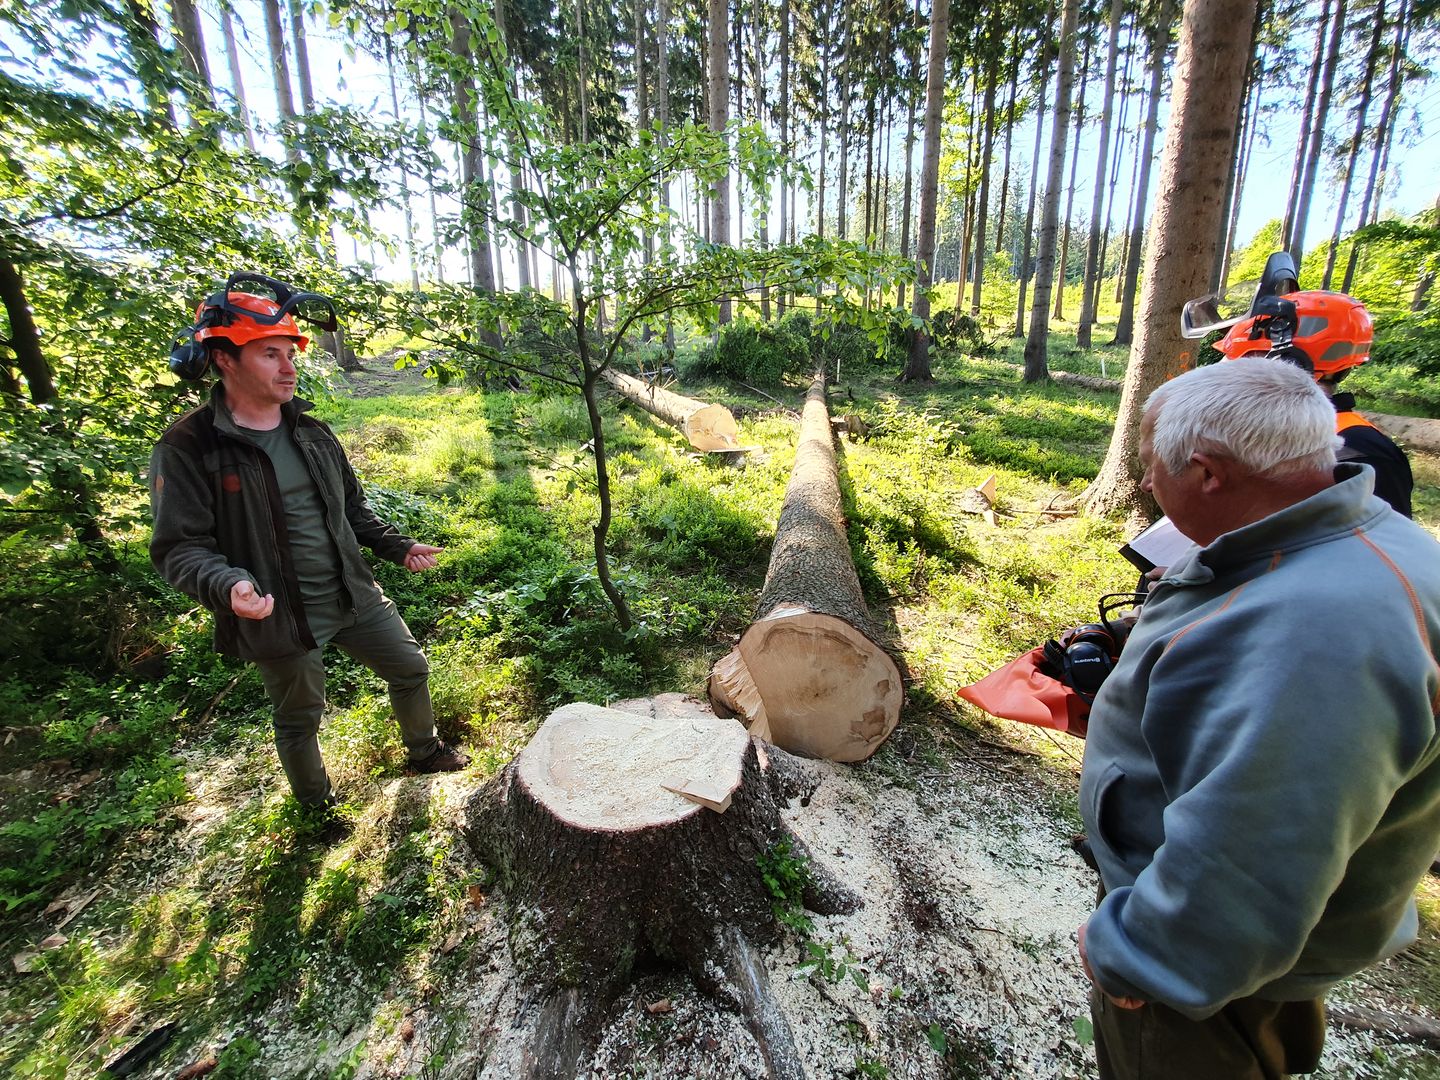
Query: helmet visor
[[314, 308]]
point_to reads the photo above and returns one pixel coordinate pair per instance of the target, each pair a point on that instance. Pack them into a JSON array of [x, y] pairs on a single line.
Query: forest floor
[[217, 929]]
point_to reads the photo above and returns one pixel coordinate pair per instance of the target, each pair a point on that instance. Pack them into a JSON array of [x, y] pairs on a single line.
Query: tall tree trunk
[[909, 180], [824, 39], [410, 255], [1009, 135], [1090, 281], [967, 201], [1245, 148], [430, 189], [188, 36], [1234, 181], [302, 56], [917, 365], [1026, 270], [280, 72], [142, 40], [24, 339], [1209, 81], [662, 95], [1159, 49], [524, 253], [762, 198], [1059, 312], [982, 210], [237, 81], [842, 180], [1307, 123], [784, 120], [1382, 130], [1038, 340], [1317, 134], [719, 38], [1372, 58], [474, 208]]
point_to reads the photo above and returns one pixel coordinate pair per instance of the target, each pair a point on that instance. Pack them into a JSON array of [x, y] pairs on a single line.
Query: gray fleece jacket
[[1262, 771]]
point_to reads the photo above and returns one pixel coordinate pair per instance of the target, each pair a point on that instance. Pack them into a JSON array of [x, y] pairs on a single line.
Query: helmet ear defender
[[1084, 656]]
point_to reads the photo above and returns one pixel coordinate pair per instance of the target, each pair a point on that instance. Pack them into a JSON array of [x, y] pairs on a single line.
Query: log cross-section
[[809, 673], [709, 428]]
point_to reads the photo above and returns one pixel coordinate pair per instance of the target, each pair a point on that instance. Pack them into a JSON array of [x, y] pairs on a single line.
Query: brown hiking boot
[[445, 758]]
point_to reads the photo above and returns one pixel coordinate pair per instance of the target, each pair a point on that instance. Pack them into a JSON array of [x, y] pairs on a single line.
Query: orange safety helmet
[[1324, 332], [249, 308]]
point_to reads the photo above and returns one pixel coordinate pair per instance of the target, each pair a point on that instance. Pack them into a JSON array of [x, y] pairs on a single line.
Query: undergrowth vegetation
[[136, 763]]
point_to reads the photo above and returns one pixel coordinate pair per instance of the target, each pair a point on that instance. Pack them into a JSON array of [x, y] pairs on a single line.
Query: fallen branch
[[1419, 1029]]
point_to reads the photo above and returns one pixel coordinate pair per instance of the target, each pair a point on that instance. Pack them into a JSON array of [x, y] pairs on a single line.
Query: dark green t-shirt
[[317, 565]]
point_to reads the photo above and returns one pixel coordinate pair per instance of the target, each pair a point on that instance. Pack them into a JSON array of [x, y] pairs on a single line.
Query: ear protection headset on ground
[[1085, 655], [250, 307]]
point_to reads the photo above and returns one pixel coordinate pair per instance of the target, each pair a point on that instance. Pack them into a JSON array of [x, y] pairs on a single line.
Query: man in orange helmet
[[1327, 334], [259, 516]]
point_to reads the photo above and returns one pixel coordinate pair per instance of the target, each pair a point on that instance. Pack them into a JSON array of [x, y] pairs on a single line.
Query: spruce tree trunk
[[472, 175], [917, 364], [1159, 49], [280, 73], [237, 81], [1037, 341], [784, 120], [1307, 122], [1026, 269], [707, 427], [1317, 134], [1009, 135], [188, 36], [1090, 282], [1382, 132], [1372, 58], [718, 36], [980, 246], [1063, 272], [1209, 81], [809, 674]]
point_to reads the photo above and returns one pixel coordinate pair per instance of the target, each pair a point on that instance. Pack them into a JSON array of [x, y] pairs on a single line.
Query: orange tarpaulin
[[1022, 691]]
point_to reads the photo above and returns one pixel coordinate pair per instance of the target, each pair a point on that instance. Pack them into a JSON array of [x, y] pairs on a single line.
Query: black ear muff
[[1087, 663], [189, 359]]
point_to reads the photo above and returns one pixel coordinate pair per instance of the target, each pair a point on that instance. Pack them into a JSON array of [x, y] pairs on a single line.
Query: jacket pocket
[[1102, 807]]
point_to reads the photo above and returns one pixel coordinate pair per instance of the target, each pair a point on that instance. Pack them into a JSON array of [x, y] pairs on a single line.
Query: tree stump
[[621, 834], [808, 674], [709, 428]]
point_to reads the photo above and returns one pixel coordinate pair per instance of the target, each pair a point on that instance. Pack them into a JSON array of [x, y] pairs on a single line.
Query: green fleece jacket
[[1261, 784], [219, 520]]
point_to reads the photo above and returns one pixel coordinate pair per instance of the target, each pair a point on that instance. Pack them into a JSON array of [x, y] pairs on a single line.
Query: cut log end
[[812, 684], [597, 768]]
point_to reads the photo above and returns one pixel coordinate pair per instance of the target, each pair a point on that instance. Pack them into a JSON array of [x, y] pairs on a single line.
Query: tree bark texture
[[1090, 282], [1209, 80], [917, 364], [237, 81], [1317, 134], [1159, 48], [604, 862], [1026, 270], [808, 674], [708, 427], [719, 36], [191, 40], [1038, 340]]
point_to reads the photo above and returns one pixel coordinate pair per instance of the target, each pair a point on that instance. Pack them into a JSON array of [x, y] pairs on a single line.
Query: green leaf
[[1084, 1030], [935, 1036]]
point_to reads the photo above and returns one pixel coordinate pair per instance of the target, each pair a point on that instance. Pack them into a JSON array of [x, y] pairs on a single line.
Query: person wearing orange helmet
[[1327, 334], [258, 516]]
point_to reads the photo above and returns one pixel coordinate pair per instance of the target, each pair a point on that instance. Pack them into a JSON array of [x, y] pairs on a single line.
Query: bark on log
[[708, 427], [808, 674], [604, 862], [1419, 1029]]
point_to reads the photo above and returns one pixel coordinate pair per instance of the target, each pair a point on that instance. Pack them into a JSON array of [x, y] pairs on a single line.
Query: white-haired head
[[1268, 417]]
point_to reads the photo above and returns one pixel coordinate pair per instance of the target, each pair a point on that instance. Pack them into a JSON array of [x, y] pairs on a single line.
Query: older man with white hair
[[1261, 783]]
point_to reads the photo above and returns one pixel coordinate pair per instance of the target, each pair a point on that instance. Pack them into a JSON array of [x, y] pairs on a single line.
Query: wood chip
[[452, 942], [67, 907], [54, 941], [24, 961], [201, 1068], [661, 1006], [474, 896]]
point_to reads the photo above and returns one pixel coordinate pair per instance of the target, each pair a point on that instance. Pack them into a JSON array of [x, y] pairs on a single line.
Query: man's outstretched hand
[[421, 557], [248, 604]]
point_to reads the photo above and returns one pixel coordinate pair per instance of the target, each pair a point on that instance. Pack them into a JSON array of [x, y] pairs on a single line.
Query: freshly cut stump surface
[[708, 427], [608, 836], [809, 673]]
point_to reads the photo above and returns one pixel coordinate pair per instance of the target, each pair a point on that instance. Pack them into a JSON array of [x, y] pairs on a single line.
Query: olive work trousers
[[1249, 1039], [376, 636]]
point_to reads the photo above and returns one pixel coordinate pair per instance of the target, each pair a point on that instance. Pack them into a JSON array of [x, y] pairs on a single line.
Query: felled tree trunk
[[709, 428], [808, 674], [619, 834]]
